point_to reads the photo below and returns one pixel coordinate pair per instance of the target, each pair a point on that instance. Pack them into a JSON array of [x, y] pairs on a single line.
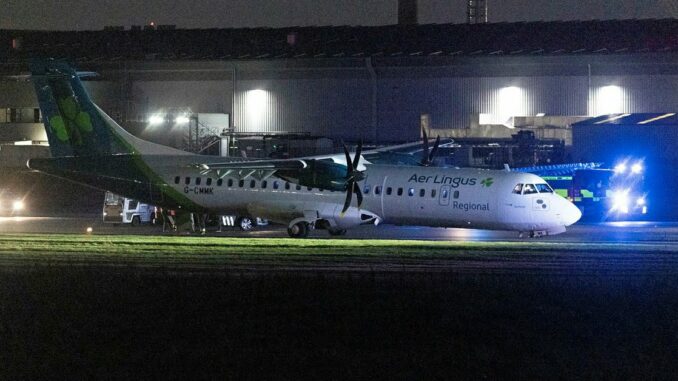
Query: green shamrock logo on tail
[[72, 124]]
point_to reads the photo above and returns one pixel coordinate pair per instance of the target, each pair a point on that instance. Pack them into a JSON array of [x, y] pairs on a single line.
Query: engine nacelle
[[352, 218], [318, 174]]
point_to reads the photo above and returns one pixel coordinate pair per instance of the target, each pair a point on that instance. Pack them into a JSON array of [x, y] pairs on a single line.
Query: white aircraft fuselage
[[400, 195]]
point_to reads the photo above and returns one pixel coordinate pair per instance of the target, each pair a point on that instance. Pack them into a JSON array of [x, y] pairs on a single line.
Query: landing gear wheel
[[298, 230], [245, 224], [336, 232]]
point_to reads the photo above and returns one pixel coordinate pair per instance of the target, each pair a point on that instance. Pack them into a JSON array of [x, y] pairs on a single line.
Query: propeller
[[352, 177], [427, 157]]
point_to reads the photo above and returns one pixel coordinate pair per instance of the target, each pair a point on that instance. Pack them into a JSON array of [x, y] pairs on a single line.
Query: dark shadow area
[[122, 322]]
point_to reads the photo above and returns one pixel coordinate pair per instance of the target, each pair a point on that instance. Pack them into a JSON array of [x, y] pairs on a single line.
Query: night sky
[[87, 14]]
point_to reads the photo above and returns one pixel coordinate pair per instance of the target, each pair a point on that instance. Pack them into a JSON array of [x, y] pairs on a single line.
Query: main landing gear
[[299, 230], [533, 234], [336, 232], [542, 233]]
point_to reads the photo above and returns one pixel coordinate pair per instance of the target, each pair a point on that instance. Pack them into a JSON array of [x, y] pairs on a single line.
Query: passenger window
[[529, 189], [197, 180], [309, 188], [400, 191], [456, 194], [433, 193], [253, 183], [209, 181], [264, 184], [187, 181], [377, 190], [287, 186], [241, 183], [230, 182], [132, 204], [366, 190], [444, 194], [422, 192], [518, 189], [410, 192], [220, 182], [389, 190], [544, 188], [275, 185], [298, 187], [176, 180]]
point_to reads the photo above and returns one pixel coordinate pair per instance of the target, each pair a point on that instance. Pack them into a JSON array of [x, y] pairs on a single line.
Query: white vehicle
[[121, 210], [304, 193], [244, 223]]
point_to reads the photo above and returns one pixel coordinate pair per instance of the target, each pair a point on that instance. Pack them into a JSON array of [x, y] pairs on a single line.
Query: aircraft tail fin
[[76, 126]]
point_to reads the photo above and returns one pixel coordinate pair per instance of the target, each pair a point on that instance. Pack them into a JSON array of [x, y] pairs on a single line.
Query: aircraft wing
[[415, 154], [285, 164], [259, 169], [403, 154]]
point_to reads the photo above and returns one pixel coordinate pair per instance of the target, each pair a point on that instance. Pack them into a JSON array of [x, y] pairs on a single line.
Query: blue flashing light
[[620, 201], [620, 168], [636, 168]]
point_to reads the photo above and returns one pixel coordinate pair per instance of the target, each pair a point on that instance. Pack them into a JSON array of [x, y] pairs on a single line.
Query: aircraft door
[[444, 195]]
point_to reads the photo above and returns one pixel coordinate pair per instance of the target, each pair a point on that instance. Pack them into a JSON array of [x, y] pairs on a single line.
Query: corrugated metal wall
[[342, 107], [336, 107], [637, 93], [452, 101], [335, 99]]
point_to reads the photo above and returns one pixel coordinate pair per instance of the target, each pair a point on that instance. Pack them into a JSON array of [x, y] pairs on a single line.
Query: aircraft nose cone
[[571, 213]]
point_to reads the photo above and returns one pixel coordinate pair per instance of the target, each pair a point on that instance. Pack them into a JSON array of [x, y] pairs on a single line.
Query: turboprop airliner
[[90, 148]]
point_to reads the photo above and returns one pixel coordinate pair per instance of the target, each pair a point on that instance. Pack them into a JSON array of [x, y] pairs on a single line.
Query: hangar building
[[377, 83]]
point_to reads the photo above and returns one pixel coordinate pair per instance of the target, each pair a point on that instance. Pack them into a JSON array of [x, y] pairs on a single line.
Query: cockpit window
[[529, 189], [518, 189], [544, 188]]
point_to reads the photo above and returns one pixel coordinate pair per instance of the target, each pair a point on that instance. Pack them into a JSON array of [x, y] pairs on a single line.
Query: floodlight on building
[[156, 119], [511, 102], [257, 102], [182, 119], [609, 100]]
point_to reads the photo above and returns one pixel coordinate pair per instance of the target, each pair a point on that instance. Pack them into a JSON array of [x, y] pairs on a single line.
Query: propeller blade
[[349, 164], [358, 194], [347, 202], [434, 150], [424, 154], [358, 151], [352, 176]]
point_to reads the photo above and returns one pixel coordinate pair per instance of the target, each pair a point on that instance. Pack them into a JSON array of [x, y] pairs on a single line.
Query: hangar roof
[[641, 119], [505, 39]]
